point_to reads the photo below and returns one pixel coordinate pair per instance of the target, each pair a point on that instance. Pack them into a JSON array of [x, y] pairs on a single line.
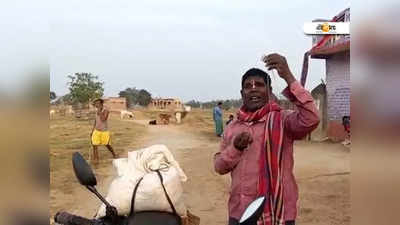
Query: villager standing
[[100, 134], [217, 116], [257, 147]]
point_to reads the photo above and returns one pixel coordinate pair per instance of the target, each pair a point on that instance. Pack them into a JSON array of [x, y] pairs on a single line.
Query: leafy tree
[[144, 98], [136, 97], [84, 87]]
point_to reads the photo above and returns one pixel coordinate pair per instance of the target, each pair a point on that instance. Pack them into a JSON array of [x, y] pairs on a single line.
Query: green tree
[[84, 87], [136, 97], [131, 95], [144, 98]]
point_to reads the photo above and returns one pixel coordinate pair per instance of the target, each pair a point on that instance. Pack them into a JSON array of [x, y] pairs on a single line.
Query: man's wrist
[[290, 79]]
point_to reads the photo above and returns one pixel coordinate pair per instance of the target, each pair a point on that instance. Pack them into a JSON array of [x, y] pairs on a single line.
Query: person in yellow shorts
[[100, 134], [101, 138]]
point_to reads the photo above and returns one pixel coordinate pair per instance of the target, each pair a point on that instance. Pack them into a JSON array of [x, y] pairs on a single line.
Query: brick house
[[165, 104], [114, 104], [335, 50]]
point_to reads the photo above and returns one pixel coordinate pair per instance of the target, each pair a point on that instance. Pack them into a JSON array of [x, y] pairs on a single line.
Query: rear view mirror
[[83, 171], [253, 212]]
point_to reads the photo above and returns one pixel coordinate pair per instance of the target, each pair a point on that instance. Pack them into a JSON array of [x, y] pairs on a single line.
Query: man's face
[[98, 105], [254, 93]]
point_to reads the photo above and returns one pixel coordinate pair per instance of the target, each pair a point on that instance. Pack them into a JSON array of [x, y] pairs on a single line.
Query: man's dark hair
[[99, 100], [219, 103], [255, 72]]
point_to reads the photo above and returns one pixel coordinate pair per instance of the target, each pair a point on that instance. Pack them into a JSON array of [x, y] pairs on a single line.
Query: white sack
[[150, 195]]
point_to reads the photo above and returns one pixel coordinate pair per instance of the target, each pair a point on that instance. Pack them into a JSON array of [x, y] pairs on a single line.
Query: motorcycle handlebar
[[69, 219]]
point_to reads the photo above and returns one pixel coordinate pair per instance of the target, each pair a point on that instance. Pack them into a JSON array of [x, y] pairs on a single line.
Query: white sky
[[176, 48]]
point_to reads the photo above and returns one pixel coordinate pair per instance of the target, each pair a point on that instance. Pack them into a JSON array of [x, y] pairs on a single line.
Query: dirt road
[[321, 168], [206, 192]]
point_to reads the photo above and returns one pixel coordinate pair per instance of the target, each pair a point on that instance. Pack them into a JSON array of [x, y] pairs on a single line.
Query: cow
[[125, 113], [164, 118]]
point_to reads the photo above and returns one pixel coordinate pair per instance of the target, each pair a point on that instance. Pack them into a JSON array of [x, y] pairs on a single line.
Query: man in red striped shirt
[[257, 147]]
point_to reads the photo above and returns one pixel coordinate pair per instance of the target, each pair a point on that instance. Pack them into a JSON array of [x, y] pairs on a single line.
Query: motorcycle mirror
[[86, 176], [83, 171], [253, 212]]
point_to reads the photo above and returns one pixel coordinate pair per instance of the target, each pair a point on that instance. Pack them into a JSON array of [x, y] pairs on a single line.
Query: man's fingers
[[273, 62], [264, 58], [243, 140], [272, 57], [246, 135], [248, 138], [273, 67]]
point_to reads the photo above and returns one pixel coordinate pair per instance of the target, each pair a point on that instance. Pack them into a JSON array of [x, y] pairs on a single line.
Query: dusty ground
[[68, 135], [322, 170]]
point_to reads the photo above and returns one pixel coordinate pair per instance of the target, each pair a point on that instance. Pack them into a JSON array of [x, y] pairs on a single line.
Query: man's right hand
[[242, 141]]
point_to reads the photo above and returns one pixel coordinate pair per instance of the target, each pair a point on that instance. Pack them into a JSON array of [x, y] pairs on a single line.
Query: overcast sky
[[178, 48]]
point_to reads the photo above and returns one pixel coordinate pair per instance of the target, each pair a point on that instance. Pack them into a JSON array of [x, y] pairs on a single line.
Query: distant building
[[115, 104], [335, 50], [166, 104]]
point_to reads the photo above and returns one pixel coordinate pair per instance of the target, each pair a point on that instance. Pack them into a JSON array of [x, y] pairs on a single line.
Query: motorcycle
[[86, 177]]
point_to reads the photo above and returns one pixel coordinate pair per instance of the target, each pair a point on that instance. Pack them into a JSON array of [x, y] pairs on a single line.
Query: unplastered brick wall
[[115, 104], [338, 85]]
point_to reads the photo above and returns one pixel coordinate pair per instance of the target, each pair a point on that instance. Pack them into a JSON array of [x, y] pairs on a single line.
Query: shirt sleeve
[[228, 156], [306, 118]]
